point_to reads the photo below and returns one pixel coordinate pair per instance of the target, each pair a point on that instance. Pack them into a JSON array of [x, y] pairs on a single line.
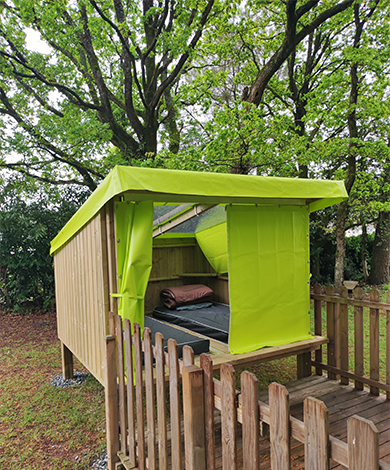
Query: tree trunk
[[380, 261], [364, 252], [342, 213]]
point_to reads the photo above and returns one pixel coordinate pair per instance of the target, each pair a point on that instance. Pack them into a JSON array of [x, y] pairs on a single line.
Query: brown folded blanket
[[173, 297]]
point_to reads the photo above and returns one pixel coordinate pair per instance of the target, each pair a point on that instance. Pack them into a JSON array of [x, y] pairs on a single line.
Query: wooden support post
[[111, 398], [250, 421], [318, 325], [139, 395], [374, 342], [279, 407], [111, 323], [208, 385], [359, 339], [316, 421], [228, 417], [343, 339], [130, 392], [193, 414], [363, 444], [67, 362], [161, 403], [174, 400], [330, 326], [303, 365], [150, 399], [122, 384]]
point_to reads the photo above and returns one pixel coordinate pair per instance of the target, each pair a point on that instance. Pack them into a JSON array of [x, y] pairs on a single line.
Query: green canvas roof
[[175, 186]]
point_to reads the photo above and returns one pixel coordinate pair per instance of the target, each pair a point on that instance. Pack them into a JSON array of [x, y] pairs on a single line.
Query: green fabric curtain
[[134, 222], [269, 270], [213, 243]]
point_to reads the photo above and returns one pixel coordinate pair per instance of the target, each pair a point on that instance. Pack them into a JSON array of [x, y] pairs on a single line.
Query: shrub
[[26, 229]]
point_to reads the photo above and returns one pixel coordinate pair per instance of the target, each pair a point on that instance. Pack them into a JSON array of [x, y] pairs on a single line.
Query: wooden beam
[[192, 212], [303, 365], [67, 362]]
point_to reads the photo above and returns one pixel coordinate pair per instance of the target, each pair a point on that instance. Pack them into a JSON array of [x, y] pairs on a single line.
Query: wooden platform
[[342, 402], [219, 352]]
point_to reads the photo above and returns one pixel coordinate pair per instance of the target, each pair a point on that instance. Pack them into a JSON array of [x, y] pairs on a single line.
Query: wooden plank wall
[[81, 273], [169, 261]]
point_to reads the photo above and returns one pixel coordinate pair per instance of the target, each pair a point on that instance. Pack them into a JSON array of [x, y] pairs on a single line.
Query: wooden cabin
[[125, 245]]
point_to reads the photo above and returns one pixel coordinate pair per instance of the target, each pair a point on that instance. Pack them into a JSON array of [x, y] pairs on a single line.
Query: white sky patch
[[34, 42]]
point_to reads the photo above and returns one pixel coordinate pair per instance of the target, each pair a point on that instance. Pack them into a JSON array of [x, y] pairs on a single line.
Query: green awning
[[175, 186]]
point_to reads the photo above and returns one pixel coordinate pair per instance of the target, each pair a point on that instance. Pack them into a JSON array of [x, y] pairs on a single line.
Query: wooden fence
[[344, 314], [155, 408]]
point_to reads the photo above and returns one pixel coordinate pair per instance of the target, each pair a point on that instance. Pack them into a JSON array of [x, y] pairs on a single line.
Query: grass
[[42, 426]]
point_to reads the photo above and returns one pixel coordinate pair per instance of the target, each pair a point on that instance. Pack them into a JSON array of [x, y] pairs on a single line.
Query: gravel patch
[[78, 379], [101, 462]]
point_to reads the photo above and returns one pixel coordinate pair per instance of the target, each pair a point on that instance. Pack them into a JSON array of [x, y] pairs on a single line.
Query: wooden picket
[[151, 437], [338, 326]]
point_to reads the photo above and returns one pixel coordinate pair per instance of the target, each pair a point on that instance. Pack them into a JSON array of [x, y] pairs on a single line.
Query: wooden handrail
[[337, 332], [350, 301]]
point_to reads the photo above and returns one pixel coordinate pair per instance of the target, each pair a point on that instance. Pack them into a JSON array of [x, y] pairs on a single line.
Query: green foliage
[[323, 250], [26, 229]]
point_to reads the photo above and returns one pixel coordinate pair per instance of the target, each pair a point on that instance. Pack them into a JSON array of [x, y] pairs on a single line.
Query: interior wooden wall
[[81, 273], [170, 262]]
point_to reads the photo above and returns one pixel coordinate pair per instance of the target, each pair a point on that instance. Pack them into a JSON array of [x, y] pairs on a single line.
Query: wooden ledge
[[269, 353]]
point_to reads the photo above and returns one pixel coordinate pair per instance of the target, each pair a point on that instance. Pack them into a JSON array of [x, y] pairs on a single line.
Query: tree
[[113, 76], [106, 80]]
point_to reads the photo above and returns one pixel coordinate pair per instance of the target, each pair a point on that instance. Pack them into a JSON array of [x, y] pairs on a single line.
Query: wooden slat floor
[[342, 403]]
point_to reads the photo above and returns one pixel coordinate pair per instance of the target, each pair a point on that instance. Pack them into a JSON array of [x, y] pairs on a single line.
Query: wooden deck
[[342, 402]]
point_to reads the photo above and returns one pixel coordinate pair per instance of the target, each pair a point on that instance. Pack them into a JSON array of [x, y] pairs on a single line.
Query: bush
[[26, 229]]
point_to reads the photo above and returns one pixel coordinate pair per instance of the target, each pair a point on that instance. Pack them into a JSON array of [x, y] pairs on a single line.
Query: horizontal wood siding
[[82, 295]]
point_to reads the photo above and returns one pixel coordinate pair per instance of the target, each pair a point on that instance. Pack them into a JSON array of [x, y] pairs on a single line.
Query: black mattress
[[199, 345], [210, 321]]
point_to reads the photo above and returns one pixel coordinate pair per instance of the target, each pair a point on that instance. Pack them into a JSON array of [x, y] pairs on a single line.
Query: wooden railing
[[153, 386], [339, 325]]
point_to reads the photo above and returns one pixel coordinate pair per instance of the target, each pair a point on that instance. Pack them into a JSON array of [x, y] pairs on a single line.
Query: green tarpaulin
[[143, 184], [213, 243], [134, 256], [269, 270]]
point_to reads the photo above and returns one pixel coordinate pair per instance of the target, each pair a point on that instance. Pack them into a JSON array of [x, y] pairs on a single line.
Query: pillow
[[173, 297]]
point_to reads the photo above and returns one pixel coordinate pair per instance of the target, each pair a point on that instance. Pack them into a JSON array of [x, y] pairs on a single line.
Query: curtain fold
[[134, 223], [213, 243]]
